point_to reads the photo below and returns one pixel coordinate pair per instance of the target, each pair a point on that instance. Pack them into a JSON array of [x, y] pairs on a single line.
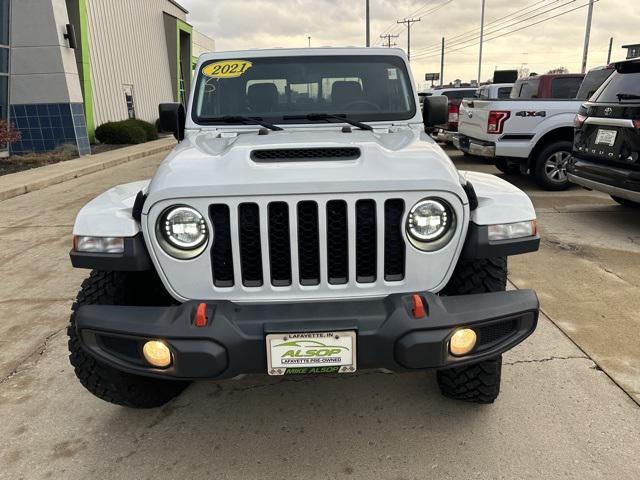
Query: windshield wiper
[[241, 119], [627, 96], [328, 116]]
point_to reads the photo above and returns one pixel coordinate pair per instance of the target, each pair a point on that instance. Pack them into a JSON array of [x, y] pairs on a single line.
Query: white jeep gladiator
[[305, 224]]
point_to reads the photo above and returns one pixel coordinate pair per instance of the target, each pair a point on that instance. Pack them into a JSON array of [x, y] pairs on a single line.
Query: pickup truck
[[454, 96], [527, 133], [305, 224]]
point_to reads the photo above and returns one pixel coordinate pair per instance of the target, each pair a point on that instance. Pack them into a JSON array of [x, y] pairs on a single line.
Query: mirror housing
[[172, 119], [435, 111]]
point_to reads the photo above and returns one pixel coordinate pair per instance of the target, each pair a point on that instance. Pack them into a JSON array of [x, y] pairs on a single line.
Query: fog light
[[462, 342], [157, 353]]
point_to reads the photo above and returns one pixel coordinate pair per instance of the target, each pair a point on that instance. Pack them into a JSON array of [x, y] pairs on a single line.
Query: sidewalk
[[16, 184]]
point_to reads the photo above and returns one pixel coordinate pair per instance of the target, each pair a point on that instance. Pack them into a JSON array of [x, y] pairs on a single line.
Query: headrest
[[263, 97], [344, 92]]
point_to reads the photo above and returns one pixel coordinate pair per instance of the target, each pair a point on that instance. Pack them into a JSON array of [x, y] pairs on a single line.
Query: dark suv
[[607, 140]]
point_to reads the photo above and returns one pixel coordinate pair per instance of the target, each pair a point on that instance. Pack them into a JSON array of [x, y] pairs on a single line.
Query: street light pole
[[368, 24], [587, 34], [481, 41]]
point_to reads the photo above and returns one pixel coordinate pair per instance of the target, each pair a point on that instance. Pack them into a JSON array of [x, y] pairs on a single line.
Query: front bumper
[[474, 146], [233, 342], [616, 181]]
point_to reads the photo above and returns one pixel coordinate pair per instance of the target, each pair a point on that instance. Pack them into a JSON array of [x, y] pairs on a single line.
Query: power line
[[409, 22], [394, 29], [434, 53], [499, 29], [505, 19], [510, 32]]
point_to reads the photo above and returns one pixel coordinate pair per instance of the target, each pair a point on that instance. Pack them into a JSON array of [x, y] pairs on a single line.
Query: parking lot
[[568, 407]]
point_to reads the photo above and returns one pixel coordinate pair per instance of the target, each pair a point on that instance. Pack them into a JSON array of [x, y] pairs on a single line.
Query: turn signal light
[[157, 353], [462, 342]]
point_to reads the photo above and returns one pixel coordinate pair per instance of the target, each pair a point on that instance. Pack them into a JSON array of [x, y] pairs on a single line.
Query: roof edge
[[176, 4]]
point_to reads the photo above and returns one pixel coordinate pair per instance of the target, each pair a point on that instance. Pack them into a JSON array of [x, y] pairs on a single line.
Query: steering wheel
[[350, 105]]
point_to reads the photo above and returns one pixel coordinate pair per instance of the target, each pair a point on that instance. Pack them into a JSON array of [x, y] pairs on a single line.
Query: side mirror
[[172, 119], [435, 111]]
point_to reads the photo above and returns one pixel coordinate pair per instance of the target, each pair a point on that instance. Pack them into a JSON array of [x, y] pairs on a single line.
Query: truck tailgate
[[473, 118]]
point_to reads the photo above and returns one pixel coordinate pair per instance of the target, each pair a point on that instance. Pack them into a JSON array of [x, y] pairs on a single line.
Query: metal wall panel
[[128, 47]]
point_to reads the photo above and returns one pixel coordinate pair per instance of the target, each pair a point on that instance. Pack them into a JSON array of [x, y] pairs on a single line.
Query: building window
[[129, 98]]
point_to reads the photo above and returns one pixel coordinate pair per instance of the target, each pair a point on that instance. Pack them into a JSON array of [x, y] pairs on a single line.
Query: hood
[[217, 163]]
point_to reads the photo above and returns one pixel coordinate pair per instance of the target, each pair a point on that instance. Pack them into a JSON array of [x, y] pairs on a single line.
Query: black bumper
[[614, 180], [233, 343]]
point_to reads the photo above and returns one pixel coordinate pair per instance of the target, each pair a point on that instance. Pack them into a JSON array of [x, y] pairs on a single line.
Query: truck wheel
[[505, 167], [478, 382], [107, 383], [550, 169], [625, 202]]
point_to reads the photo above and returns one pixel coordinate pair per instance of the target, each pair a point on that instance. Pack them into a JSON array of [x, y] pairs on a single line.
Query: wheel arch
[[555, 135]]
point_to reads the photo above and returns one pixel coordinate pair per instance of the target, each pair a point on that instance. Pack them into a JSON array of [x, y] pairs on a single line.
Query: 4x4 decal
[[525, 113]]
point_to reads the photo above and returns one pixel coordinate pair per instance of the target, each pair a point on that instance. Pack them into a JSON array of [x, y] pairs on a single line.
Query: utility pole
[[408, 22], [368, 24], [481, 40], [442, 64], [610, 47], [309, 38], [388, 38], [587, 34]]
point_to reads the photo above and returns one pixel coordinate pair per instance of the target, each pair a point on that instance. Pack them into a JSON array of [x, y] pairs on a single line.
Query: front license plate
[[311, 353], [606, 137]]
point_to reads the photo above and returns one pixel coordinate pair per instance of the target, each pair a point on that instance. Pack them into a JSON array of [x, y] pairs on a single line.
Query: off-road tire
[[507, 168], [478, 382], [625, 202], [105, 382], [539, 168]]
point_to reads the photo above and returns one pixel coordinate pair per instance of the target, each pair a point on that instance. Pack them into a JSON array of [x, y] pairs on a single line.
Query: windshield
[[274, 89]]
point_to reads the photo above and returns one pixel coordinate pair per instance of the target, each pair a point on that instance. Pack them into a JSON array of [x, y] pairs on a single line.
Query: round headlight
[[429, 220], [184, 229]]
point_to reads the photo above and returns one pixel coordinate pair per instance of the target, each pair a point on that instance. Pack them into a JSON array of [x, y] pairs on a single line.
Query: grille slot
[[337, 242], [366, 251], [305, 154], [221, 253], [394, 246], [250, 244], [279, 244], [308, 243]]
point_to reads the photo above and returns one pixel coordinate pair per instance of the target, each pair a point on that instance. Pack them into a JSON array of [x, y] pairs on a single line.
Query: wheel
[[550, 169], [105, 382], [478, 382], [505, 167], [625, 202]]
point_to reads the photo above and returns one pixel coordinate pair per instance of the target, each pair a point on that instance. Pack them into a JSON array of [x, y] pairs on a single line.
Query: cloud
[[242, 24]]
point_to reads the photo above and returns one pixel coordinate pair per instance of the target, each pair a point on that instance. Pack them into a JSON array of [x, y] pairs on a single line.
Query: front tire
[[103, 381], [550, 169], [478, 382]]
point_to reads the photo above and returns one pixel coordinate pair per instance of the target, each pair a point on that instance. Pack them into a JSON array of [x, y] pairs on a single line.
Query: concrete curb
[[16, 184]]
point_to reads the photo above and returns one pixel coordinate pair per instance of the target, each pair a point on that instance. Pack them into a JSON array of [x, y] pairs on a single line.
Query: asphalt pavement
[[566, 410]]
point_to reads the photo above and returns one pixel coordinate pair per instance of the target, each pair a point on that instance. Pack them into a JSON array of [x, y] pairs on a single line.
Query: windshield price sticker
[[226, 69]]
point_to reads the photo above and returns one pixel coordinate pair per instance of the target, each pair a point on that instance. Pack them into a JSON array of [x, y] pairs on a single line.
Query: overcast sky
[[240, 24]]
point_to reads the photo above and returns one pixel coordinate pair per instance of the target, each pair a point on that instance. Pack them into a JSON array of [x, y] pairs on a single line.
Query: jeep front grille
[[341, 234]]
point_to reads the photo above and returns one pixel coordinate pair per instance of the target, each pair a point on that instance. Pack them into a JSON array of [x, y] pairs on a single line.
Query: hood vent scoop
[[305, 154]]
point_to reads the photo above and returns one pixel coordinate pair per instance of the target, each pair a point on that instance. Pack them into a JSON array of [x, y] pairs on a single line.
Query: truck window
[[459, 94], [592, 82], [565, 87], [367, 88], [482, 92], [504, 92], [527, 88]]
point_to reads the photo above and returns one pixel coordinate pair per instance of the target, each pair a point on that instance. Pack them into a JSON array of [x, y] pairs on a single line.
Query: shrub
[[8, 133], [149, 129]]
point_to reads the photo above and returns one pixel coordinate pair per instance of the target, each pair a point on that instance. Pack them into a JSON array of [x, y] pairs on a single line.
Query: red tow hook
[[418, 307], [201, 316]]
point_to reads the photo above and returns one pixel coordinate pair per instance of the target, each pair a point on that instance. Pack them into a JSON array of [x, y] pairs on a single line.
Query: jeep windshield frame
[[285, 90]]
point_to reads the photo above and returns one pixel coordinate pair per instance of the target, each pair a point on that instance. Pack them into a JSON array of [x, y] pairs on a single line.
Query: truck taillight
[[454, 113], [579, 120], [636, 123], [496, 120]]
